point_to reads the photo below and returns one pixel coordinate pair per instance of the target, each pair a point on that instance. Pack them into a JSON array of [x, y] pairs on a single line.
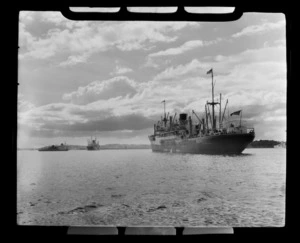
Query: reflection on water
[[139, 187]]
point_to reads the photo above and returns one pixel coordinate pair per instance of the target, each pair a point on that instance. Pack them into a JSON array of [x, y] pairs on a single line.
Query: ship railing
[[168, 133], [229, 130], [240, 130], [250, 130]]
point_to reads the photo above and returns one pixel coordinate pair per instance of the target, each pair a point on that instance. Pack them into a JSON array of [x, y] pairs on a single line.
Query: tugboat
[[93, 144], [204, 137], [61, 147]]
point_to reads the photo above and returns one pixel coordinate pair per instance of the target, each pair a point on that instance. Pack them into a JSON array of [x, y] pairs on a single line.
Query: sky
[[108, 78]]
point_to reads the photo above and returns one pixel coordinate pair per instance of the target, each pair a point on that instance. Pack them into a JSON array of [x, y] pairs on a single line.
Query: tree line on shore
[[264, 144]]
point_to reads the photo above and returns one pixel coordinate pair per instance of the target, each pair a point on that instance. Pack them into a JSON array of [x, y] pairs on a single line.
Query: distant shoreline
[[254, 144], [32, 149], [102, 147], [267, 144]]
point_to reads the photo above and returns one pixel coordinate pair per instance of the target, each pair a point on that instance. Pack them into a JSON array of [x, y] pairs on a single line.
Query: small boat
[[93, 144], [61, 147]]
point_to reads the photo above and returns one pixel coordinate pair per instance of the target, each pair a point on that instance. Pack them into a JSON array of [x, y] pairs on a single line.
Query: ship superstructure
[[207, 136]]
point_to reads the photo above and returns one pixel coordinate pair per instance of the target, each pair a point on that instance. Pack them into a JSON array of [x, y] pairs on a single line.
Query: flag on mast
[[210, 71], [235, 113], [163, 101]]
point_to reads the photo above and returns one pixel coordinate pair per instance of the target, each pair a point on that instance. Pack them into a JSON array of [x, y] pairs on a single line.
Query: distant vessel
[[93, 144], [202, 138], [61, 147]]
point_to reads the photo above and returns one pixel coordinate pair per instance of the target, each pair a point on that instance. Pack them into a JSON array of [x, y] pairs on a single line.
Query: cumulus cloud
[[26, 39], [75, 59], [156, 59], [26, 17], [120, 70], [24, 105], [239, 83], [178, 71], [257, 29], [189, 45], [120, 113], [112, 123], [55, 112], [245, 78], [42, 48], [269, 54], [50, 128], [129, 36], [90, 37], [90, 112], [99, 90], [52, 17]]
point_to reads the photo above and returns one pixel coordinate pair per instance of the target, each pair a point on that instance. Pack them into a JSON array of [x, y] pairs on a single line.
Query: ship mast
[[220, 123], [213, 103], [208, 112], [165, 118], [206, 116]]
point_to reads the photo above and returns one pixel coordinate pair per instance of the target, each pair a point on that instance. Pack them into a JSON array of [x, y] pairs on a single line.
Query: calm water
[[139, 187]]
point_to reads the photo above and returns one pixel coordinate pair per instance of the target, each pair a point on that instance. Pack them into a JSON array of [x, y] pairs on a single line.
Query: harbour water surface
[[142, 188]]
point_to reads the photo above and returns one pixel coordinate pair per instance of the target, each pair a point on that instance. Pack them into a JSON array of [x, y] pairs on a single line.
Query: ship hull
[[53, 149], [93, 148], [214, 144]]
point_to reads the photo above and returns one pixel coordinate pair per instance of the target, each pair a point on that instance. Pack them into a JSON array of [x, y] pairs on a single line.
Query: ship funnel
[[182, 116]]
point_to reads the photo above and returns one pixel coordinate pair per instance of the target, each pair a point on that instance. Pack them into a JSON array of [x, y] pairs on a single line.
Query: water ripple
[[138, 187]]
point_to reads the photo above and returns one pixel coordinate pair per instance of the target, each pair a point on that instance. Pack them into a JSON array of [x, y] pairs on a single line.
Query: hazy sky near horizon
[[107, 79]]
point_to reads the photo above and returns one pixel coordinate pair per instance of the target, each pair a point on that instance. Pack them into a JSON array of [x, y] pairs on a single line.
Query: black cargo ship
[[205, 137]]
